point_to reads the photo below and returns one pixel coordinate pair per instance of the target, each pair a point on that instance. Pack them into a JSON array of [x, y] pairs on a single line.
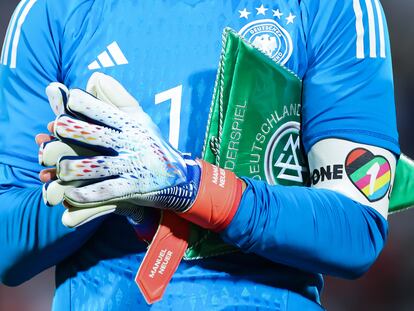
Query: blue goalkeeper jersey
[[166, 52]]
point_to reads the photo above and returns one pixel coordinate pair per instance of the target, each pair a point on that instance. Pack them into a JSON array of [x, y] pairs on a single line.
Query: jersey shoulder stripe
[[34, 20], [370, 29], [9, 54], [10, 31]]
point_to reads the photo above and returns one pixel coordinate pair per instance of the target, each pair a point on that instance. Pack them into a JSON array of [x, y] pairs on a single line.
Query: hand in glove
[[135, 166]]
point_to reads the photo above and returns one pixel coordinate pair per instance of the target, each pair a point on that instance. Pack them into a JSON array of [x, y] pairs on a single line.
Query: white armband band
[[363, 173]]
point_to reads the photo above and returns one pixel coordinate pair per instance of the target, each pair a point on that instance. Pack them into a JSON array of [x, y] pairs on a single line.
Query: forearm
[[32, 236], [311, 229]]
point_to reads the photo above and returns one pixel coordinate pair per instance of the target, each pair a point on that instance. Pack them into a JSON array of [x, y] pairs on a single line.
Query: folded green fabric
[[254, 123]]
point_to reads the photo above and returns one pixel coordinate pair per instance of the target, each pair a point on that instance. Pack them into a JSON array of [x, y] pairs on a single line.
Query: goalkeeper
[[167, 52]]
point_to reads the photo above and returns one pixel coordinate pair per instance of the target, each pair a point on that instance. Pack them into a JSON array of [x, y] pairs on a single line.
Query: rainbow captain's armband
[[363, 173]]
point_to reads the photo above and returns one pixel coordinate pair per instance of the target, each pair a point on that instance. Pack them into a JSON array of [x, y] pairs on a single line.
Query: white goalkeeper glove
[[137, 167]]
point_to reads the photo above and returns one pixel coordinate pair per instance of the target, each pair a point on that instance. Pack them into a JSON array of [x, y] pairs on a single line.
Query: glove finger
[[87, 135], [74, 217], [97, 111], [114, 191], [77, 216], [111, 91], [57, 94], [50, 152], [106, 192], [87, 168], [142, 177], [53, 192]]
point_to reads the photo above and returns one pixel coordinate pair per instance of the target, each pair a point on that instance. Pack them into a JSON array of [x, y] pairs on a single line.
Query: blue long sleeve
[[32, 235], [314, 230]]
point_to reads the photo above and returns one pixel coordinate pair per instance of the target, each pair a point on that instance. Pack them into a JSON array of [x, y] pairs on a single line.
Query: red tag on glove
[[163, 256]]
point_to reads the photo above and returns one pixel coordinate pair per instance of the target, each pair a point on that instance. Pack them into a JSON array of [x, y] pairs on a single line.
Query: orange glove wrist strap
[[218, 198]]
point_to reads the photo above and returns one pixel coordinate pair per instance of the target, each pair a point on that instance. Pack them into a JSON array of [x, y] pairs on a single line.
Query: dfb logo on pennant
[[284, 161]]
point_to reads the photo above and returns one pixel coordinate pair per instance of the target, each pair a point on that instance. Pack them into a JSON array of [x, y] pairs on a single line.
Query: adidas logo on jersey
[[111, 57]]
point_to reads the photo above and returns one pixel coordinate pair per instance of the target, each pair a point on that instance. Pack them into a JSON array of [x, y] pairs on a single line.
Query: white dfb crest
[[270, 37], [266, 43]]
